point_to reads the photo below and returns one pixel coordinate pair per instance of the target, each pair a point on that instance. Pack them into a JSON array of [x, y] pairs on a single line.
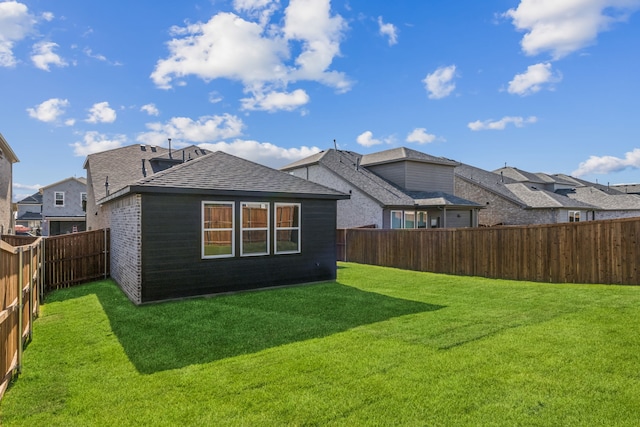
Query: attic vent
[[143, 147]]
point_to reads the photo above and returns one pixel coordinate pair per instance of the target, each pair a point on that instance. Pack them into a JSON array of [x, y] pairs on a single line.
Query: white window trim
[[401, 220], [233, 229], [55, 199], [276, 228], [572, 214], [242, 229]]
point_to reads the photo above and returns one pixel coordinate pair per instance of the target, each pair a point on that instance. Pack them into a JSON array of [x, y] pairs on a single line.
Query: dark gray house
[[397, 188], [216, 224]]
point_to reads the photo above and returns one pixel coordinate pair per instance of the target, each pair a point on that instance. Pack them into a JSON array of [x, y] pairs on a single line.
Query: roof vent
[[143, 147]]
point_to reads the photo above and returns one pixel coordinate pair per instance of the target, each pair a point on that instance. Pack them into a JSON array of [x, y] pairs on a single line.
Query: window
[[59, 198], [574, 216], [217, 229], [396, 219], [287, 236], [409, 219], [254, 233], [421, 220], [83, 201]]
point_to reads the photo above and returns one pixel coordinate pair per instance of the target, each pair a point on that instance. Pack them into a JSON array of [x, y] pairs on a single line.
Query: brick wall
[[126, 245], [5, 195], [358, 211], [499, 210]]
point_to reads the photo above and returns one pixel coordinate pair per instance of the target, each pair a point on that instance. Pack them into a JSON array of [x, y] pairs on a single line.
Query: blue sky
[[543, 85]]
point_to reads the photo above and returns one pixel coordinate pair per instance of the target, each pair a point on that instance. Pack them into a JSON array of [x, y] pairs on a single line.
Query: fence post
[[105, 252], [20, 310], [31, 289]]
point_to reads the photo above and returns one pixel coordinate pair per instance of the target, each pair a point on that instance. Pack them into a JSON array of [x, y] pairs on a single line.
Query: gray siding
[[429, 177], [417, 176], [126, 246], [393, 172]]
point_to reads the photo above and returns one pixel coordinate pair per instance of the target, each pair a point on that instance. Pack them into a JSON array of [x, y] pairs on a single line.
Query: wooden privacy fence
[[20, 291], [71, 259], [606, 252]]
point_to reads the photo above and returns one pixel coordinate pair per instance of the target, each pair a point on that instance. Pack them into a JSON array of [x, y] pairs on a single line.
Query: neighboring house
[[7, 159], [627, 188], [214, 224], [609, 202], [29, 212], [63, 207], [397, 188], [533, 200], [113, 169]]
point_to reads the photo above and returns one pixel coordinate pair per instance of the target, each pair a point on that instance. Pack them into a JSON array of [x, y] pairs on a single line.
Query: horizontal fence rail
[[20, 291], [606, 252]]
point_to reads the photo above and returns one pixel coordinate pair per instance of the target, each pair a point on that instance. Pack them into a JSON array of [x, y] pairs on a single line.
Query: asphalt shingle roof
[[34, 199], [400, 154], [525, 194], [219, 172], [122, 166], [348, 166]]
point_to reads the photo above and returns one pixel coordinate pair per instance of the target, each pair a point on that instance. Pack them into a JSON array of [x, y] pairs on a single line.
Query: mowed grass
[[379, 347]]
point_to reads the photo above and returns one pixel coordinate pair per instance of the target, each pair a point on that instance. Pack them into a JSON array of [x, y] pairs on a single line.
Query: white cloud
[[532, 80], [215, 97], [608, 164], [49, 110], [261, 9], [16, 23], [150, 109], [420, 136], [226, 46], [388, 30], [94, 142], [101, 113], [275, 101], [262, 152], [43, 56], [203, 130], [563, 27], [310, 22], [47, 16], [366, 139], [440, 84], [502, 123], [258, 54]]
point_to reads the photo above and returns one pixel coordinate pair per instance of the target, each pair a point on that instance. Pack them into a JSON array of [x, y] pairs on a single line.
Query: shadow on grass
[[175, 334]]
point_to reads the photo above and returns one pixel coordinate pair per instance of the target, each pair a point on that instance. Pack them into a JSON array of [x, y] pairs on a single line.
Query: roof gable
[[403, 154]]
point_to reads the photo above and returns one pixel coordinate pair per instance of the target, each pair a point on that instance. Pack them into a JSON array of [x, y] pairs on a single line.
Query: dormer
[[412, 170]]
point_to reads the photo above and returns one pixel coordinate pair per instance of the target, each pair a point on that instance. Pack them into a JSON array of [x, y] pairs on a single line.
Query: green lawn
[[379, 347]]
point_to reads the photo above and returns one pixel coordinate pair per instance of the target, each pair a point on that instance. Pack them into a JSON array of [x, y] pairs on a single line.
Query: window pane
[[218, 216], [409, 220], [396, 219], [287, 241], [422, 220], [217, 243], [287, 215], [254, 242], [255, 215]]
